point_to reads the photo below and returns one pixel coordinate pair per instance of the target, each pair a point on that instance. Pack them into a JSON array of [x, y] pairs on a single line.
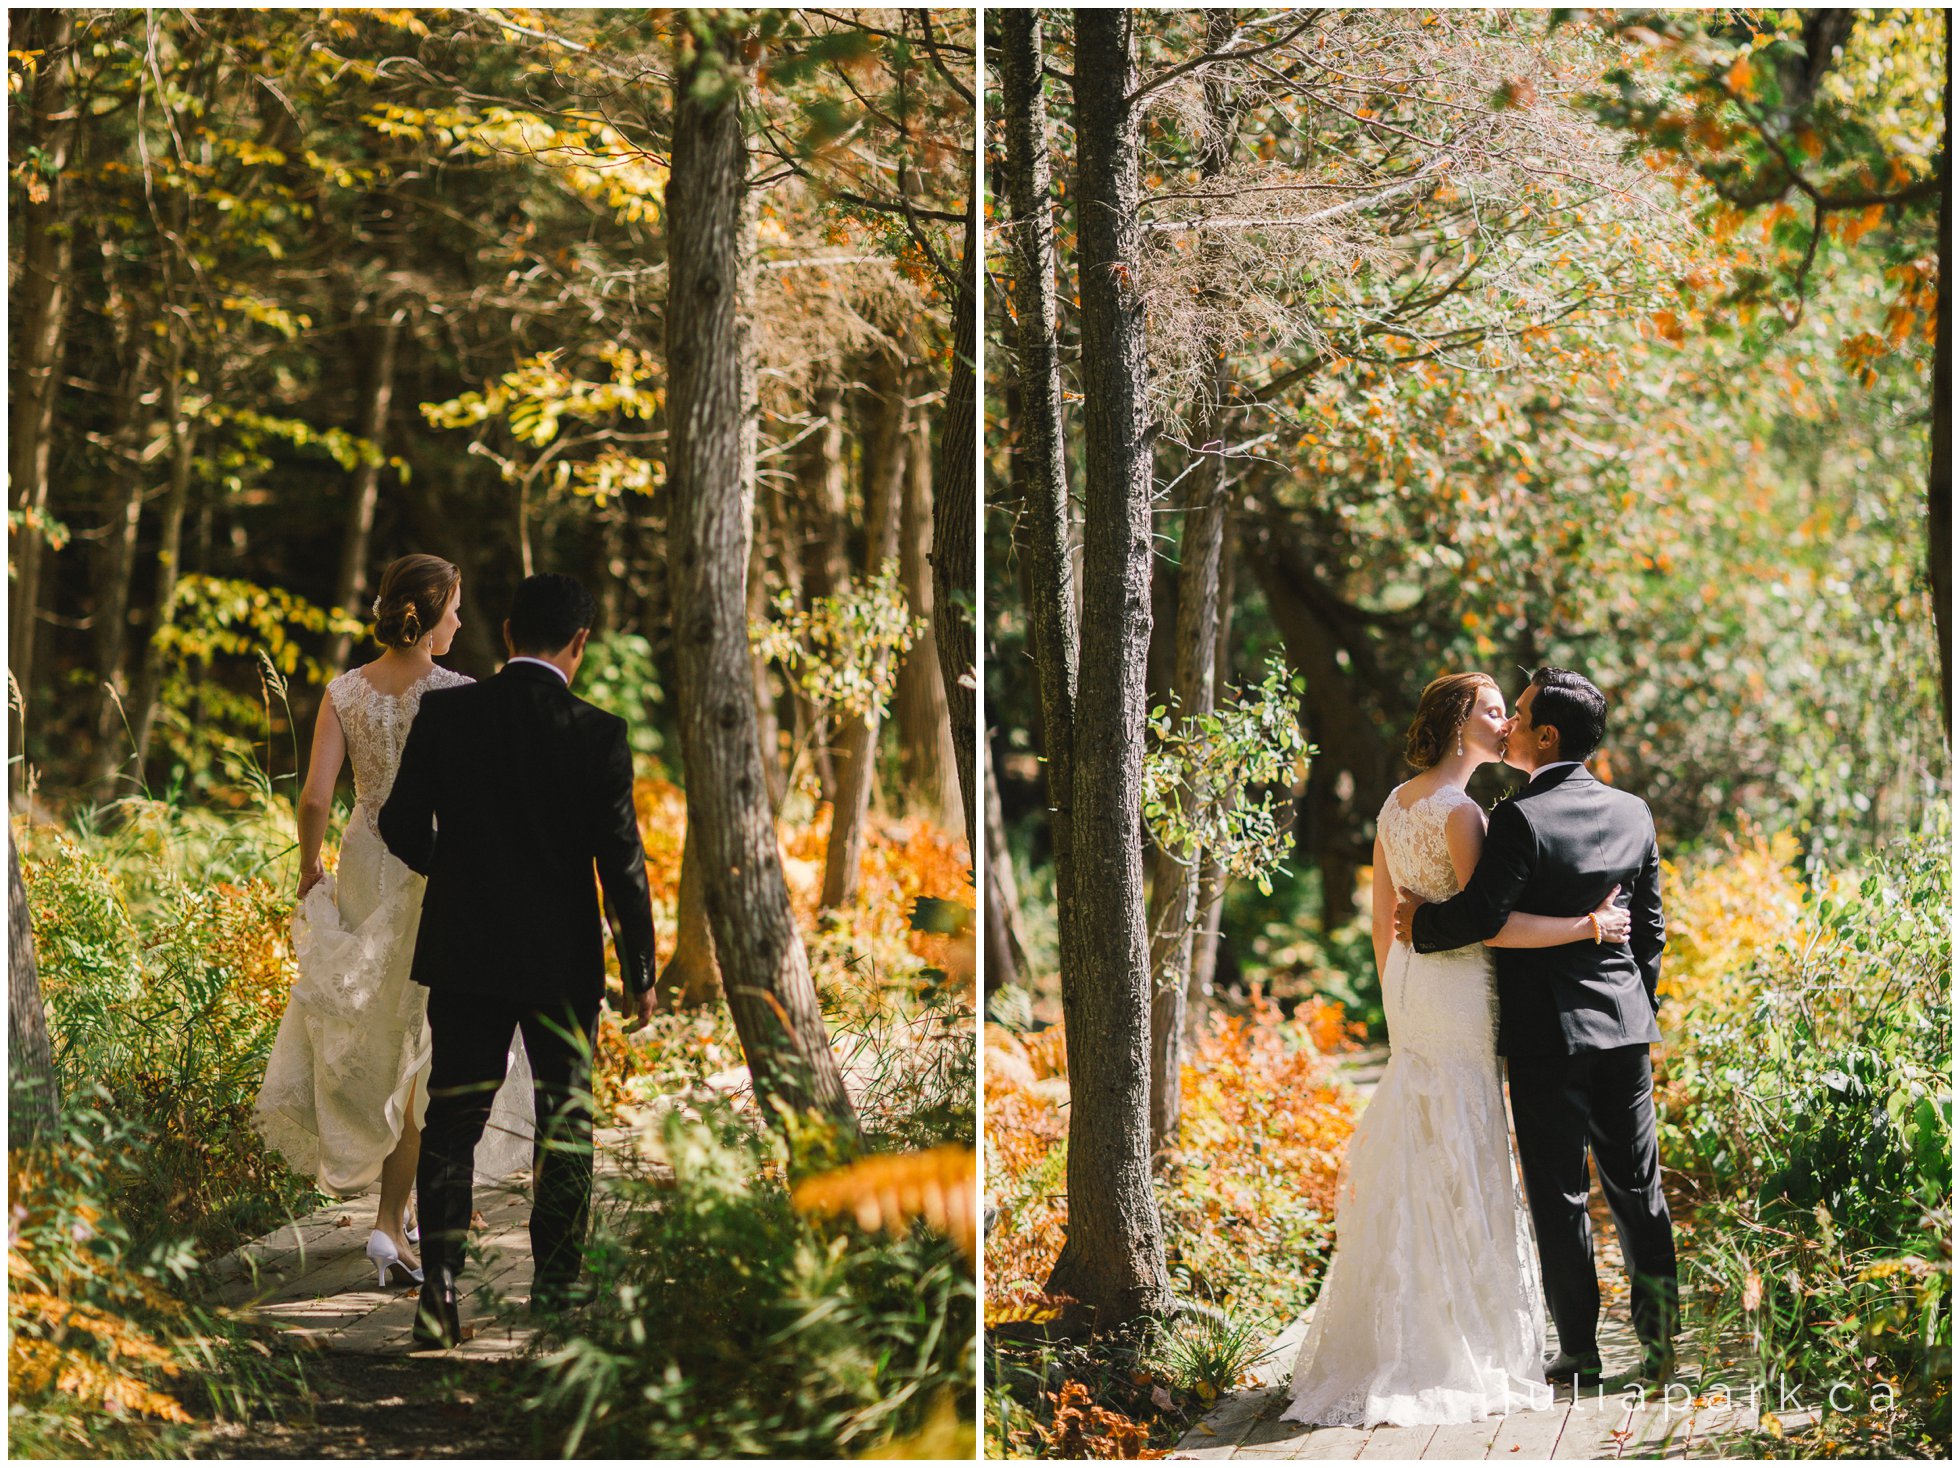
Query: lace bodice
[[1415, 842], [376, 726]]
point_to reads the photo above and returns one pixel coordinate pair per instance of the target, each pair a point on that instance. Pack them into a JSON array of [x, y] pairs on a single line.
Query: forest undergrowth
[[1806, 1136], [807, 1318]]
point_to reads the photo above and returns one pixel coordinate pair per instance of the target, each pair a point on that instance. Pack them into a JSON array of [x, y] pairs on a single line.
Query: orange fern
[[889, 1192]]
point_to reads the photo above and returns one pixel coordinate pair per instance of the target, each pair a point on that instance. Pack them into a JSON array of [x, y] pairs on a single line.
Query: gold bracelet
[[1599, 935]]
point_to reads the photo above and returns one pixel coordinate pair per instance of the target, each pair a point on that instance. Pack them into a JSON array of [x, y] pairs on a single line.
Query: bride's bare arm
[[1465, 831], [1381, 921], [316, 798]]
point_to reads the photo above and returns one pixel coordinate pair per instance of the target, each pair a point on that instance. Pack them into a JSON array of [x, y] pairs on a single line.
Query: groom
[[1574, 1022], [510, 792]]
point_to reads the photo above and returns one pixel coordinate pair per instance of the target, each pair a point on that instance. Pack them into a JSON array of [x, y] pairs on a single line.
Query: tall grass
[[725, 1320], [727, 1324]]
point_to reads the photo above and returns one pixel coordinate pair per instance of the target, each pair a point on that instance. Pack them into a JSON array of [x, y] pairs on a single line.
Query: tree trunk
[[953, 566], [1007, 953], [925, 737], [691, 977], [611, 558], [33, 1093], [1174, 893], [824, 521], [116, 560], [1113, 1260], [1939, 483], [826, 503], [1204, 952], [481, 641], [769, 735], [1352, 773], [857, 761], [765, 970], [351, 585], [170, 549], [40, 305], [1040, 470]]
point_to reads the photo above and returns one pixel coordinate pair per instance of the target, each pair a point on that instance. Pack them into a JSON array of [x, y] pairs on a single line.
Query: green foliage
[[252, 429], [106, 1357], [585, 154], [1281, 945], [219, 629], [841, 652], [1810, 1111], [618, 676], [1829, 127], [214, 617], [1200, 773], [39, 522], [164, 985], [712, 1289], [534, 397], [96, 1347]]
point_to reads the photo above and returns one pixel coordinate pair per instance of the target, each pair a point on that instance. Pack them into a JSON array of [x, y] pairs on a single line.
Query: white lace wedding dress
[[355, 1036], [1432, 1310]]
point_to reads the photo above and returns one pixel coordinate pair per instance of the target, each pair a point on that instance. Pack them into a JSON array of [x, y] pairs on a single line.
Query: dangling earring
[[1459, 740]]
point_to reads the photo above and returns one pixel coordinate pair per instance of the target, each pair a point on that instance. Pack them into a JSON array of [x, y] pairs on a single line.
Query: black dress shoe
[[556, 1299], [1657, 1363], [1580, 1370], [437, 1326]]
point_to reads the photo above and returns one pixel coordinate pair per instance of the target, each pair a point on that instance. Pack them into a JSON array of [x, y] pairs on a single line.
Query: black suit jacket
[[509, 792], [1557, 849]]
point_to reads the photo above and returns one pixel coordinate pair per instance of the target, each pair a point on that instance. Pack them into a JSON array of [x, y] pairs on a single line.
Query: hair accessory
[[374, 607]]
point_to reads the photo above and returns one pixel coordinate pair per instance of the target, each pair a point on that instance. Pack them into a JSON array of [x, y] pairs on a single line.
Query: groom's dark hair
[[1571, 705], [548, 612]]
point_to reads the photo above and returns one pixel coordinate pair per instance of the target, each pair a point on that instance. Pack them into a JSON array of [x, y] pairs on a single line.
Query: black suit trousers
[[1602, 1101], [471, 1035]]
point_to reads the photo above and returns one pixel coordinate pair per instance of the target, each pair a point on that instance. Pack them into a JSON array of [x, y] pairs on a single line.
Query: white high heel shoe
[[387, 1260]]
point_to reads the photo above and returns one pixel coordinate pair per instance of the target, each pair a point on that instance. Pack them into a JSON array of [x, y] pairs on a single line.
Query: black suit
[[1574, 1022], [509, 792]]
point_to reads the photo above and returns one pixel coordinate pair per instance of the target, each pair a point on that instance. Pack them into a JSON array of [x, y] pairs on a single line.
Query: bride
[[345, 1088], [1432, 1310]]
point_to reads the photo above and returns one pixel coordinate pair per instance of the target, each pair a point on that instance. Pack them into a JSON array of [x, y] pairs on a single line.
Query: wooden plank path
[[1602, 1423], [313, 1279]]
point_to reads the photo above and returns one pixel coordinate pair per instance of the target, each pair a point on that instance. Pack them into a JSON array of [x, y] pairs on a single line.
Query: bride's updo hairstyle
[[414, 594], [1445, 708]]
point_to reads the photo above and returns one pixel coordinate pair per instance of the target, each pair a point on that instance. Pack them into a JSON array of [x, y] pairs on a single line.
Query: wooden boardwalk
[[312, 1278], [1601, 1423]]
